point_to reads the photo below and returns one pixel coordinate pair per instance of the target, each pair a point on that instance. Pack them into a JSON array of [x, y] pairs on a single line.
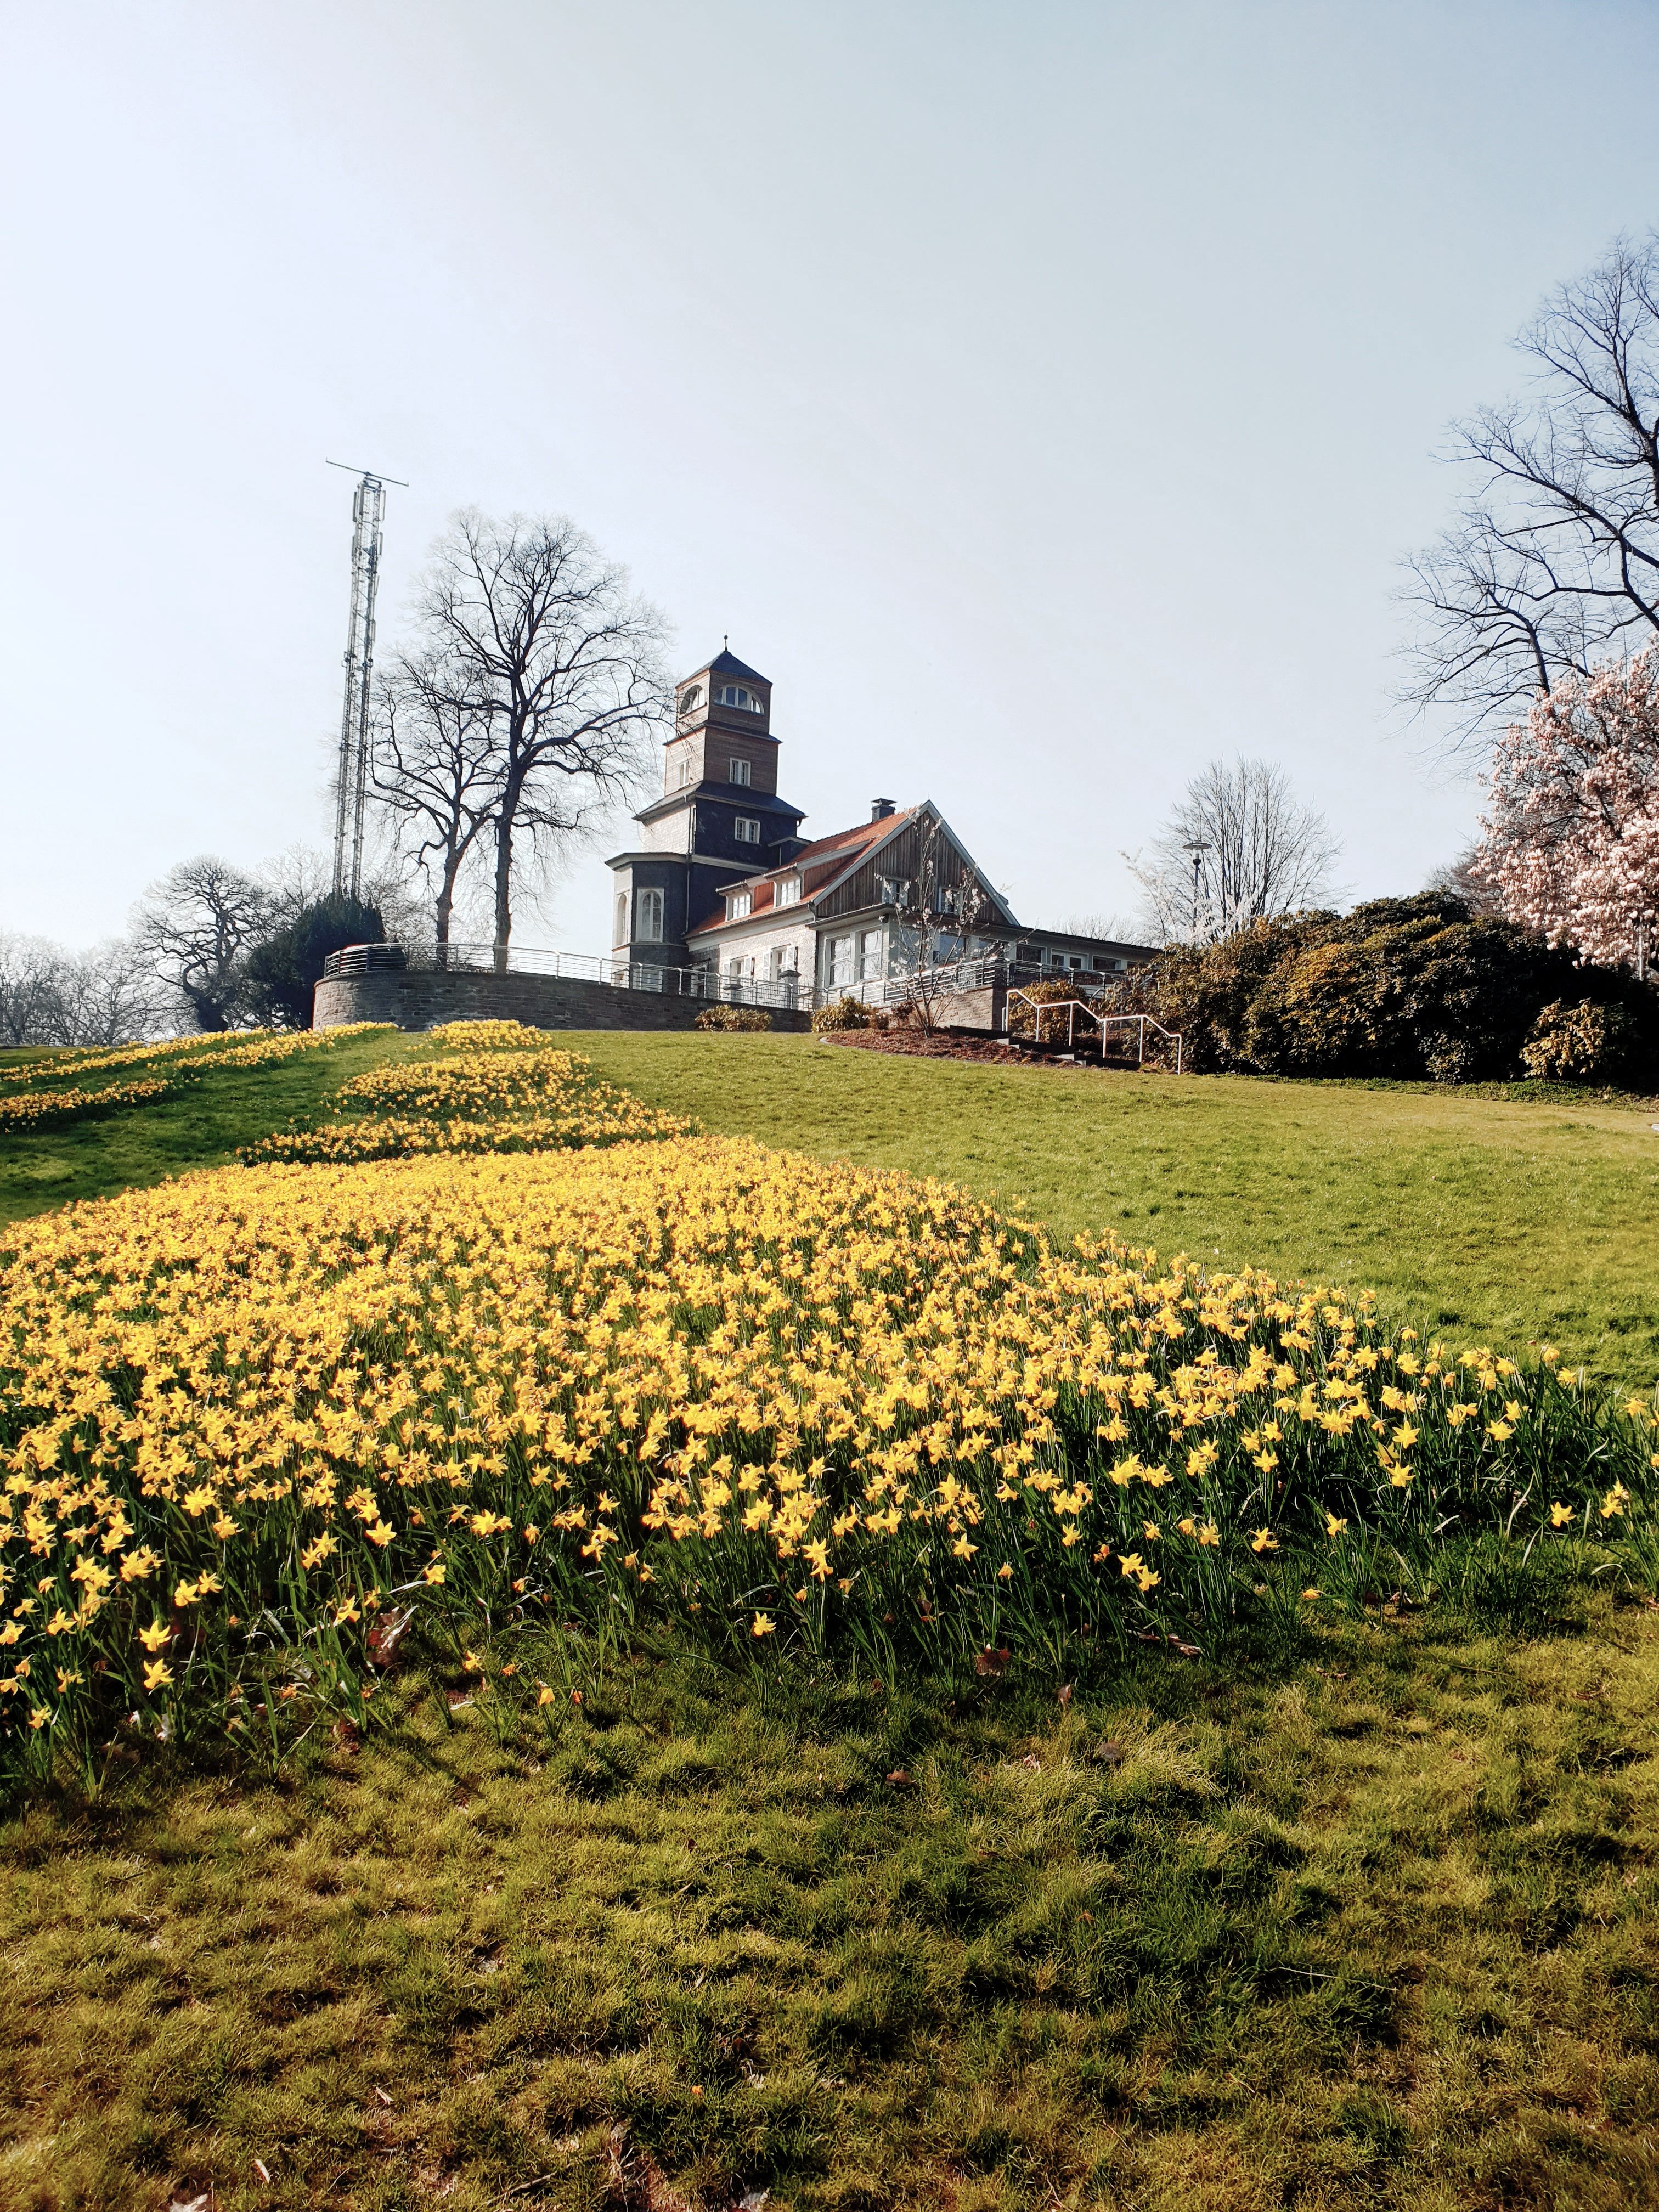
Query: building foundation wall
[[422, 999]]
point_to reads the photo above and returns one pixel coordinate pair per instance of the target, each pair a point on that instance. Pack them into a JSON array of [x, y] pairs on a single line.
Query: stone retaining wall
[[420, 998]]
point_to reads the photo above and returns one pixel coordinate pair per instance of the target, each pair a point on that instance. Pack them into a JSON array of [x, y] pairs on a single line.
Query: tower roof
[[728, 664]]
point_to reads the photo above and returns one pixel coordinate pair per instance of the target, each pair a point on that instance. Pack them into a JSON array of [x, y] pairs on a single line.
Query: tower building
[[720, 815]]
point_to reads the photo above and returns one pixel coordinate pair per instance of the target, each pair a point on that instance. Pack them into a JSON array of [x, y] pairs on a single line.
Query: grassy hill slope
[[1358, 1917], [1491, 1218], [1501, 1219]]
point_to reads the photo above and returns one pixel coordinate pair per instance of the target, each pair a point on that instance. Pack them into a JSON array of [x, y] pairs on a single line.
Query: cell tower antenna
[[351, 783]]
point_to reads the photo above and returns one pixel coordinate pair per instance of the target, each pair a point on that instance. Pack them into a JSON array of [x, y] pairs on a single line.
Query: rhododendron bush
[[1405, 988], [1572, 841]]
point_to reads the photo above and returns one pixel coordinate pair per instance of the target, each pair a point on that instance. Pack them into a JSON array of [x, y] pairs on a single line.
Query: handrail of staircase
[[1075, 1007]]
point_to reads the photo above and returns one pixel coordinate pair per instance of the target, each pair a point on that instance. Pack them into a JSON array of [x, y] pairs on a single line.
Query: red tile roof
[[819, 864]]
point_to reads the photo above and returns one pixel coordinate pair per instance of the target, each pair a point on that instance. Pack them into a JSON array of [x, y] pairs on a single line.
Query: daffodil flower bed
[[181, 1062], [501, 1090], [768, 1403]]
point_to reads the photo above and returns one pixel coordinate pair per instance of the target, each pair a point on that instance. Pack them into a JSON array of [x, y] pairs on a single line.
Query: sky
[[1043, 395]]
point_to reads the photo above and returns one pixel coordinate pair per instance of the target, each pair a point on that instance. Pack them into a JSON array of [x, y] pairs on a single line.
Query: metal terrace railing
[[486, 959], [790, 991], [1072, 1008]]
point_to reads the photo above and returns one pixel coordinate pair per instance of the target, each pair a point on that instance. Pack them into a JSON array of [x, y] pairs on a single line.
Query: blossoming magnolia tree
[[1571, 845]]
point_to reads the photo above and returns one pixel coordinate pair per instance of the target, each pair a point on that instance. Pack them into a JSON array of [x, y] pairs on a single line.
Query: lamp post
[[1198, 848]]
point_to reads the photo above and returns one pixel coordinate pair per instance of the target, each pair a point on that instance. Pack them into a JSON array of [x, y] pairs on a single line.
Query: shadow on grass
[[1360, 1915]]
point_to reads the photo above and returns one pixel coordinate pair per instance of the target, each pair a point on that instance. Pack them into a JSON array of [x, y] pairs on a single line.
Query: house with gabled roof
[[722, 881]]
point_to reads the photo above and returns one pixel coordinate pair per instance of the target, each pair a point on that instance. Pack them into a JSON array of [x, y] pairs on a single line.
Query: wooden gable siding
[[863, 887], [901, 859]]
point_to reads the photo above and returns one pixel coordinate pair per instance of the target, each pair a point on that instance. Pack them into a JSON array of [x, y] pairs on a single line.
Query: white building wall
[[773, 946], [672, 833]]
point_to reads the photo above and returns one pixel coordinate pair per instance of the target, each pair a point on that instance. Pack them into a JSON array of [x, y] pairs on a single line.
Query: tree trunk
[[445, 906], [503, 885]]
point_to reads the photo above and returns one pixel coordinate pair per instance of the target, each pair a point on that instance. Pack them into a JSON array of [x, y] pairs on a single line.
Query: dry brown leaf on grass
[[387, 1636]]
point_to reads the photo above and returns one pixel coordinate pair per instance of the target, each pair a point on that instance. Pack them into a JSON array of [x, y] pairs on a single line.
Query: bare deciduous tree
[[49, 996], [29, 996], [110, 997], [436, 772], [937, 911], [1461, 879], [1553, 564], [195, 928], [1237, 847], [542, 653], [1111, 927]]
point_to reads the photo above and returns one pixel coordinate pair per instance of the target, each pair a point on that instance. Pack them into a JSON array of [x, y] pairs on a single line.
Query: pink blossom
[[1571, 843]]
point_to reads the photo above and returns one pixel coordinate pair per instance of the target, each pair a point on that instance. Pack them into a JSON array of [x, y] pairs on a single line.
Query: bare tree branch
[[1553, 562], [548, 672], [1238, 847], [436, 771], [49, 996], [195, 928]]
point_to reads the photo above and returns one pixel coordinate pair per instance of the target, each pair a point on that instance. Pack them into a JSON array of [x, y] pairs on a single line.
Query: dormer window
[[690, 698], [739, 905], [737, 694], [737, 771], [788, 890]]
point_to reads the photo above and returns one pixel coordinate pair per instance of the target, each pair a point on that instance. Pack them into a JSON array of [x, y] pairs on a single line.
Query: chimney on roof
[[880, 808]]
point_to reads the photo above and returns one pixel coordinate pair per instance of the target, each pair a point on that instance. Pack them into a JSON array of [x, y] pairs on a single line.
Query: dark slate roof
[[728, 664], [741, 795]]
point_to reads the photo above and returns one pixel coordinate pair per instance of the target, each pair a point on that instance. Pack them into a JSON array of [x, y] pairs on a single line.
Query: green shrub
[[1581, 1043], [1025, 1011], [723, 1016], [1404, 988], [845, 1013]]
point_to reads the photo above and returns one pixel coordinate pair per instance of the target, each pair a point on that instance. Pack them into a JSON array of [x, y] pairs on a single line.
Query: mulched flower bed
[[923, 1047]]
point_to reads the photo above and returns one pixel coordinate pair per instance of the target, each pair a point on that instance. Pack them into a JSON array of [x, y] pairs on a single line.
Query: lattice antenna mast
[[351, 781]]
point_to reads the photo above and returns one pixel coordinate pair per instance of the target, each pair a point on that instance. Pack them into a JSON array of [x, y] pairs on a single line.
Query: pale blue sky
[[1042, 395]]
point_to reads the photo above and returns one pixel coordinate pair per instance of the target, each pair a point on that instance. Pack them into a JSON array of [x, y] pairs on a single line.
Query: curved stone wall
[[419, 999]]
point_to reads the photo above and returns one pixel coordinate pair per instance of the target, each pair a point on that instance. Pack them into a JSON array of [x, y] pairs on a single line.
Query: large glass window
[[738, 694], [840, 961], [619, 934], [647, 916], [869, 956]]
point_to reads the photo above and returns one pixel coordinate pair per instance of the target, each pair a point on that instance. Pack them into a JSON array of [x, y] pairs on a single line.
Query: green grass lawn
[[1372, 1928], [201, 1127], [1368, 1917], [1485, 1218]]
